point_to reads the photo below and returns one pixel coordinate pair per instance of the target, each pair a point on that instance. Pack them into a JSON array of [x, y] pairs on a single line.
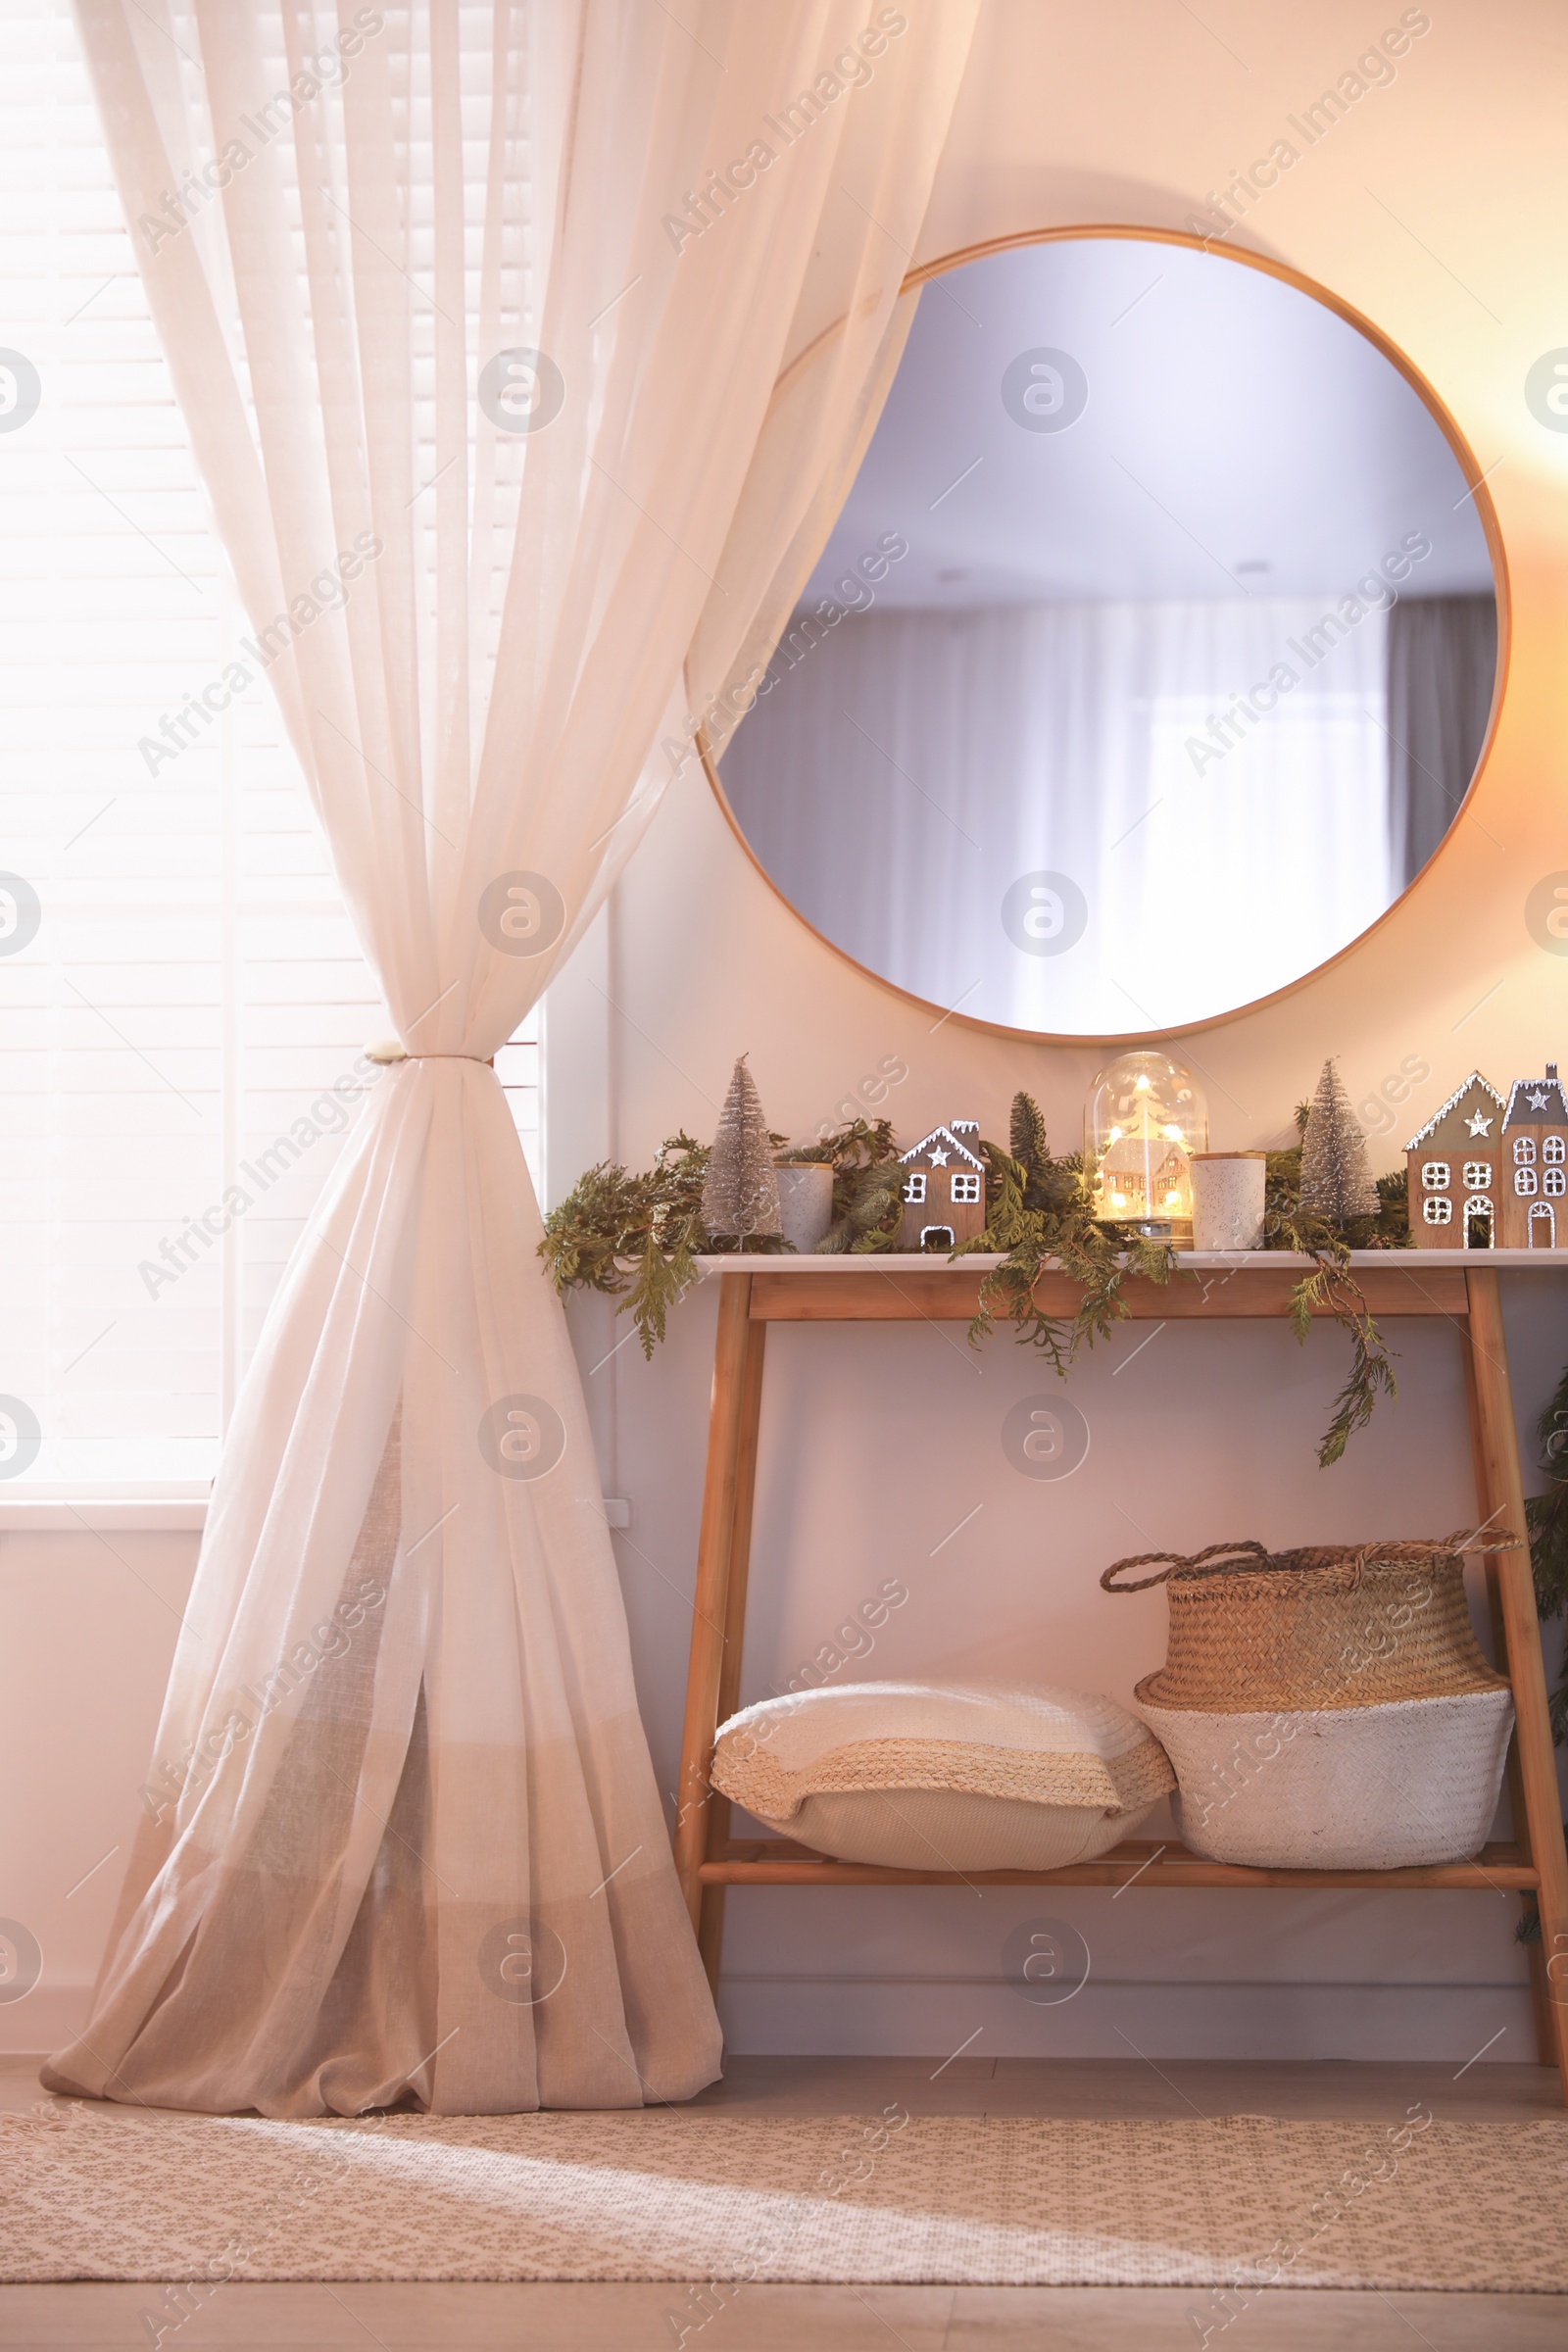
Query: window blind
[[182, 1004]]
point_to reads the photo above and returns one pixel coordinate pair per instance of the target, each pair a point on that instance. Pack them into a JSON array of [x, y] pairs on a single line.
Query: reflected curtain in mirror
[[912, 764], [1442, 656]]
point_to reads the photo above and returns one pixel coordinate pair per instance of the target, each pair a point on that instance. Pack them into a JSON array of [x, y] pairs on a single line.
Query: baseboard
[[44, 2019], [882, 2017], [766, 2016]]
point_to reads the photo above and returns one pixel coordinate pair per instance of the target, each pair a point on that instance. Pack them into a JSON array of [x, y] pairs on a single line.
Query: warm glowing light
[[1142, 1118]]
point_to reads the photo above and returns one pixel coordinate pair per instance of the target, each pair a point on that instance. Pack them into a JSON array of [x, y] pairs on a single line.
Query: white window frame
[[1524, 1182], [915, 1185], [1478, 1175], [965, 1187], [1436, 1175], [1437, 1211], [1524, 1151]]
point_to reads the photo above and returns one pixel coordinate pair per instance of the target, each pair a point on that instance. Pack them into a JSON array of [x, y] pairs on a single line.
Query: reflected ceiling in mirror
[[1150, 659]]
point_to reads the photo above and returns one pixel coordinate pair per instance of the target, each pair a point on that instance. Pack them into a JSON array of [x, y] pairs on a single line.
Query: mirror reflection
[[1151, 658]]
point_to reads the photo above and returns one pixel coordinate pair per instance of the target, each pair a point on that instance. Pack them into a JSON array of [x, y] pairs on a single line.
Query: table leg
[[1503, 1494], [1486, 1502], [710, 1600], [710, 1922]]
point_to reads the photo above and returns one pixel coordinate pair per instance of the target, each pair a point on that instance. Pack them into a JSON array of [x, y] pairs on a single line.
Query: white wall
[[879, 1441], [87, 1626]]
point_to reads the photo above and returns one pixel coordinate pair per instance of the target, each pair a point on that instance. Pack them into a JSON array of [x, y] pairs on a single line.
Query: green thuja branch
[[1331, 1289], [1040, 1214], [867, 1185], [633, 1237], [637, 1236]]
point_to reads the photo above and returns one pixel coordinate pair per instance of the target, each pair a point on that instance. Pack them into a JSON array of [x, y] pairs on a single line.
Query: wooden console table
[[900, 1288]]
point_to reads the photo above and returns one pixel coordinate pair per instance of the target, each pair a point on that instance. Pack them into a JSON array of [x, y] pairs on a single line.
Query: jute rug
[[93, 2193]]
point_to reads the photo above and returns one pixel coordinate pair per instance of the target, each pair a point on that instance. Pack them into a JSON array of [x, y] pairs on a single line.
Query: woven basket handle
[[1462, 1539], [1252, 1555], [1231, 1555]]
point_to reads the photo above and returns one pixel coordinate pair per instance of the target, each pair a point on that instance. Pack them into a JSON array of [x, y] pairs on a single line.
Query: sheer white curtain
[[402, 1831], [901, 772]]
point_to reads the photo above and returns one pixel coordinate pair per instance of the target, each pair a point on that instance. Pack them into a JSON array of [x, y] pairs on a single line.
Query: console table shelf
[[893, 1288], [776, 1862]]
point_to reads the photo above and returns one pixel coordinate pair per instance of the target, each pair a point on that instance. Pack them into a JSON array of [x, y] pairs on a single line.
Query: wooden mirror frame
[[1473, 475]]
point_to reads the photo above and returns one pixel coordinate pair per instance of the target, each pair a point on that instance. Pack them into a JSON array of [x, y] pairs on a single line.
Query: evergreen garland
[[1039, 1212], [636, 1237], [620, 1233], [1291, 1224], [867, 1185]]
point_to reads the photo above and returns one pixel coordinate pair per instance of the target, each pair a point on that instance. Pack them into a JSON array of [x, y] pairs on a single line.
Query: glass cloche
[[1145, 1117]]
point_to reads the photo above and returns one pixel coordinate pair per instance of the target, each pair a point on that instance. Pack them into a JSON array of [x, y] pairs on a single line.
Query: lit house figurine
[[1144, 1118], [1533, 1164], [1455, 1171], [944, 1189]]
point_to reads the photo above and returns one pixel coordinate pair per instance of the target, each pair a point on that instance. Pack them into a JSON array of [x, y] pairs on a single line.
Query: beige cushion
[[944, 1776]]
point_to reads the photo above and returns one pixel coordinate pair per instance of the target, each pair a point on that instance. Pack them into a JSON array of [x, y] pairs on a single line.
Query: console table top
[[1226, 1261]]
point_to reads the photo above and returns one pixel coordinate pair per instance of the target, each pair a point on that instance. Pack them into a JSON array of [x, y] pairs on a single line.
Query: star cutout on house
[[1538, 1098], [1480, 1123], [939, 1158]]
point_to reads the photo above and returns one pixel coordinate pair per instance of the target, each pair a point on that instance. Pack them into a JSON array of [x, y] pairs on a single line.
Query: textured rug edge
[[729, 2199]]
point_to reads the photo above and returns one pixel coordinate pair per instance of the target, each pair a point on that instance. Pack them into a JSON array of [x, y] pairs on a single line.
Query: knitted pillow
[[944, 1776]]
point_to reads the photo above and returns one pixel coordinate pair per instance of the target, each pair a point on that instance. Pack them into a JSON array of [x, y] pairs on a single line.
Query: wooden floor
[[928, 2318]]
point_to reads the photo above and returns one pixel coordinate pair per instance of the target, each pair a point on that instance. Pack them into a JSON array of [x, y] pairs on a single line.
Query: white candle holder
[[1228, 1199], [804, 1201]]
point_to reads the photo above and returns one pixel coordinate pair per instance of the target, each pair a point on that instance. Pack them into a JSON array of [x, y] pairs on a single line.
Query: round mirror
[[1151, 658]]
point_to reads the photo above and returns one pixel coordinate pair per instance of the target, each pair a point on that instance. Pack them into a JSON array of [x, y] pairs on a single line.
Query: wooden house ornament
[[944, 1189], [1456, 1171], [1535, 1164]]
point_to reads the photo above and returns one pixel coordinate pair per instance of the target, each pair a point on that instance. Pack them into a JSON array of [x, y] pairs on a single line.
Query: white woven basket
[[1380, 1788]]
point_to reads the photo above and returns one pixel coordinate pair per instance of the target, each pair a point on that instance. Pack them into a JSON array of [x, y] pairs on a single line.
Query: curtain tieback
[[390, 1049]]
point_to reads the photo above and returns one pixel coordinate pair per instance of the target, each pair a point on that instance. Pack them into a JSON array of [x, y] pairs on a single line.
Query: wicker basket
[[1327, 1709]]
